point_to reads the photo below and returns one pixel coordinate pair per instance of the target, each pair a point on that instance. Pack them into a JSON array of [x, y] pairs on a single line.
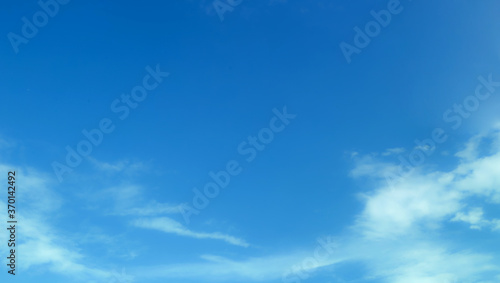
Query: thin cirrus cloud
[[222, 269], [119, 166], [125, 199], [153, 208], [128, 199], [168, 225]]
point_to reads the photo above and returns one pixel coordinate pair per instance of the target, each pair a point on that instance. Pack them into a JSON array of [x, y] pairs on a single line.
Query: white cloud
[[153, 208], [40, 243], [119, 166], [393, 151], [127, 199], [473, 217], [401, 223], [168, 225], [218, 269], [369, 166], [397, 236], [394, 211]]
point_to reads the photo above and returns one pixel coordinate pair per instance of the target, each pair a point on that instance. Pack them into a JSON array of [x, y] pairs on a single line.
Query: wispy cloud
[[393, 151], [397, 236], [474, 217], [219, 269], [40, 242], [128, 199], [168, 225], [153, 208], [119, 166]]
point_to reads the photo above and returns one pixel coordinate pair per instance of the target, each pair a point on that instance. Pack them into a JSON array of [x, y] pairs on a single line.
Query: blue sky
[[319, 177]]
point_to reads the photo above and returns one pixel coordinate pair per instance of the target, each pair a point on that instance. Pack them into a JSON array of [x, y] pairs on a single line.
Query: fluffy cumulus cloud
[[405, 224]]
